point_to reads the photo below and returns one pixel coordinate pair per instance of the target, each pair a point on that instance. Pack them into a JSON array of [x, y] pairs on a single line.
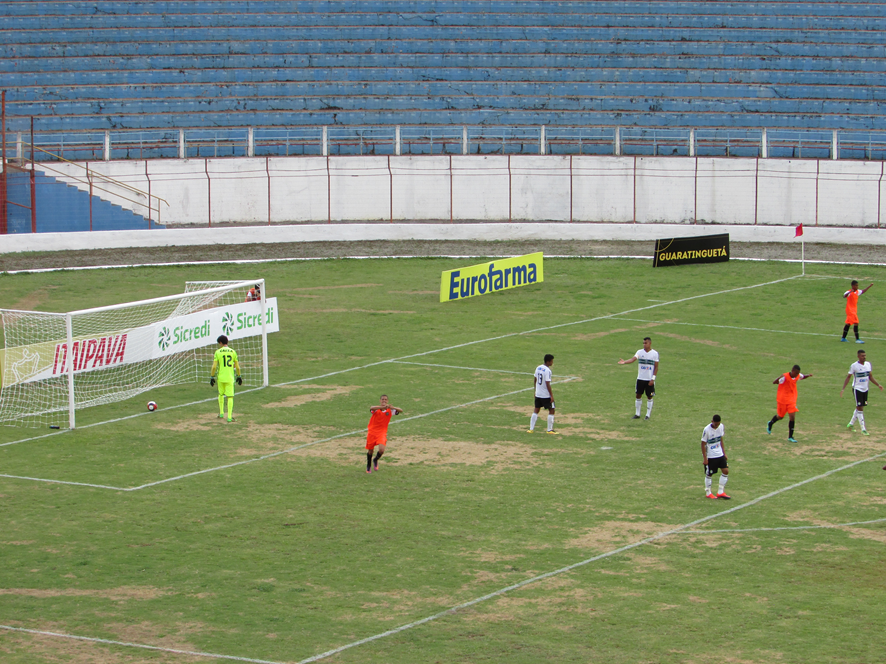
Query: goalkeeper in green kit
[[224, 365]]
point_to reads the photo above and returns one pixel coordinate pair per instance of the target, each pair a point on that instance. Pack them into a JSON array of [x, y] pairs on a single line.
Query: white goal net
[[53, 365]]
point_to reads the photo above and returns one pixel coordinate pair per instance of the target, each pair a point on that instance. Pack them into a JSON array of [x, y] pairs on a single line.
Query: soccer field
[[175, 537]]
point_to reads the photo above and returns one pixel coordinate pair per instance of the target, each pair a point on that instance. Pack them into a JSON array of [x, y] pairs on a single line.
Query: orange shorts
[[785, 408], [851, 319], [374, 439]]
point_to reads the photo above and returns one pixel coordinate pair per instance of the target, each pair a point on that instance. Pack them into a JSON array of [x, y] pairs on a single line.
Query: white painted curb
[[181, 237]]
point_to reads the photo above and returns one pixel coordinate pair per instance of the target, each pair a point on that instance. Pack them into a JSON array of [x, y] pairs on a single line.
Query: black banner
[[700, 249]]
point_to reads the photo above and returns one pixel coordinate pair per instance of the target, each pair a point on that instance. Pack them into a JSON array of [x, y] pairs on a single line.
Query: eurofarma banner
[[700, 249], [491, 277], [26, 364]]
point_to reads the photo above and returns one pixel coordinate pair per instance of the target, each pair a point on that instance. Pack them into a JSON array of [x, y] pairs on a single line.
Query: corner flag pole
[[798, 232]]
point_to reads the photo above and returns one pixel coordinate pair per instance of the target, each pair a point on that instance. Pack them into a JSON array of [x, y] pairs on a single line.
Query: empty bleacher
[[93, 66]]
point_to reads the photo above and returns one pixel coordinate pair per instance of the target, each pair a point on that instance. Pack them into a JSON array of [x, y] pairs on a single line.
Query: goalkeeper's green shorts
[[225, 389]]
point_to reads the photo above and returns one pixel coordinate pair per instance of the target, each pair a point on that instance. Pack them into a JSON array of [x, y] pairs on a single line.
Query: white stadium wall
[[497, 188]]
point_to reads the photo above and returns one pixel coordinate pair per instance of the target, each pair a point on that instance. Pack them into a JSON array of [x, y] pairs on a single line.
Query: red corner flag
[[798, 231]]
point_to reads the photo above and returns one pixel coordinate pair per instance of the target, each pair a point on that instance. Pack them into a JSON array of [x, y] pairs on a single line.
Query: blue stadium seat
[[112, 64]]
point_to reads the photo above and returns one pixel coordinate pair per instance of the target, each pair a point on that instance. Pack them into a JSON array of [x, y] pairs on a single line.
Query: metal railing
[[452, 140]]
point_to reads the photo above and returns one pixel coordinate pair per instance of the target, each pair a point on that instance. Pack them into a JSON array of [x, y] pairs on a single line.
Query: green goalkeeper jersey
[[226, 358]]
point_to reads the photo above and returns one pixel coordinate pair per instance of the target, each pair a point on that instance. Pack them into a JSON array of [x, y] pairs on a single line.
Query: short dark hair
[[222, 340], [796, 366], [646, 339], [548, 357], [715, 418], [854, 283], [860, 351]]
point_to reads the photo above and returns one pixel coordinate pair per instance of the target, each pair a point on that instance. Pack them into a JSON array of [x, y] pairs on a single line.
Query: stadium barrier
[[506, 188]]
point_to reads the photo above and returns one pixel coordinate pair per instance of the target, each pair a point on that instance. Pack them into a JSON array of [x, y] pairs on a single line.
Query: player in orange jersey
[[377, 434], [852, 296], [786, 399]]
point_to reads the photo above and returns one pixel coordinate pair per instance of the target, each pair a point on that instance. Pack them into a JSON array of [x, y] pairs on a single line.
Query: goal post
[[52, 365]]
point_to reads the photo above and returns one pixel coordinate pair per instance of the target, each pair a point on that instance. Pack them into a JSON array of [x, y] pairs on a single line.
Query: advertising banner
[[491, 277], [700, 249], [26, 364]]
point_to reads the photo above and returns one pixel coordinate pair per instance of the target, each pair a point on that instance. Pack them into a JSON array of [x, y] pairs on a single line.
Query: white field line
[[763, 530], [679, 530], [111, 642], [569, 568], [449, 366], [356, 432], [40, 479], [733, 327], [539, 329], [125, 417]]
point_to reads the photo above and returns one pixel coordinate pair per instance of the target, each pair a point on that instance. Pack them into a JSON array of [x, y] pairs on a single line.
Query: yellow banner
[[491, 277]]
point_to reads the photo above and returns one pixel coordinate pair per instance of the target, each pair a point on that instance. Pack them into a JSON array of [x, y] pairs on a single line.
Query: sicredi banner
[[700, 249], [491, 277], [26, 364]]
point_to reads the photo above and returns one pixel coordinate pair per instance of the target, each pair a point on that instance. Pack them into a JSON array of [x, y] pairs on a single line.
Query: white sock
[[723, 479], [707, 485], [550, 422], [854, 417], [639, 406], [648, 407], [532, 421], [860, 419]]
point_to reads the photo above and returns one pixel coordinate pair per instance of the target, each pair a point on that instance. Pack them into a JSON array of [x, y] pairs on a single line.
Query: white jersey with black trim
[[646, 362], [543, 376], [861, 375], [713, 438]]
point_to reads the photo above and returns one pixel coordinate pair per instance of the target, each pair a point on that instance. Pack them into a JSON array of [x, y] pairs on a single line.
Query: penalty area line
[[356, 432], [540, 329], [568, 568], [288, 450], [127, 644]]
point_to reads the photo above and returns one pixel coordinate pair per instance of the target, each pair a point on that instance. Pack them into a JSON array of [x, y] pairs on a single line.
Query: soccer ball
[[152, 406]]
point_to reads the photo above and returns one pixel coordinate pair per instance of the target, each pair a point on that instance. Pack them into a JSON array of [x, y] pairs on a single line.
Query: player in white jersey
[[646, 373], [544, 394], [860, 373], [713, 454]]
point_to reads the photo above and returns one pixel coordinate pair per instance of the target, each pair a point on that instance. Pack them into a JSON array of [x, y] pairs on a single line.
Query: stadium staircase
[[93, 66], [62, 207]]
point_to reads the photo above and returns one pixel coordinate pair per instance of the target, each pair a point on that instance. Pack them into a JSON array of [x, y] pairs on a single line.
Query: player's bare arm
[[550, 390], [631, 361], [865, 290], [846, 382], [654, 374], [871, 378]]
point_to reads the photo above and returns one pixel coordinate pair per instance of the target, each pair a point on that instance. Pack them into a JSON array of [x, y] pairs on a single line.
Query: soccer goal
[[53, 365]]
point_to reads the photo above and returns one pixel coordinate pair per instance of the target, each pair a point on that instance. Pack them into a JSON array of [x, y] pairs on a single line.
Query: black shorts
[[544, 403], [716, 464], [861, 399], [644, 386]]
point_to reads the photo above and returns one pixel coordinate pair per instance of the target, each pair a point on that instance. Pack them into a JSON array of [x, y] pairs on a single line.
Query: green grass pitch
[[483, 542]]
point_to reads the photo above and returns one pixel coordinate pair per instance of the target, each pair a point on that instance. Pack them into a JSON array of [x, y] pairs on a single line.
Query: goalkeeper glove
[[212, 381], [239, 380]]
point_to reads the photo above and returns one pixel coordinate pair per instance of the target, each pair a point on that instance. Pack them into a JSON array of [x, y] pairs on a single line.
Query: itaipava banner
[[26, 364]]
